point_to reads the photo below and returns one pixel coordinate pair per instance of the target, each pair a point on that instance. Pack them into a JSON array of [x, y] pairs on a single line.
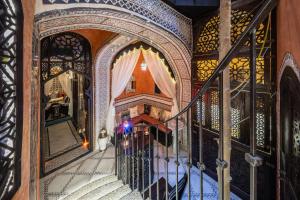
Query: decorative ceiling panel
[[154, 11]]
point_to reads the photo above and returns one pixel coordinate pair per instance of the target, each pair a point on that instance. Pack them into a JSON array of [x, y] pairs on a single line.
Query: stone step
[[102, 191], [90, 187], [117, 194], [135, 195]]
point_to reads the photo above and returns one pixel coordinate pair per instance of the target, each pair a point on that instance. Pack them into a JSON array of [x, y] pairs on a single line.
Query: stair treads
[[117, 194], [133, 195], [90, 187], [102, 191]]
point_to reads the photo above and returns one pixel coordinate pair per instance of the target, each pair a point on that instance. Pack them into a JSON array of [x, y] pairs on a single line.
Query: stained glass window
[[10, 97]]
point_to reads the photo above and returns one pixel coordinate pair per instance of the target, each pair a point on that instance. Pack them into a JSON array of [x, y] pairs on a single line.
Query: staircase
[[135, 152], [108, 187]]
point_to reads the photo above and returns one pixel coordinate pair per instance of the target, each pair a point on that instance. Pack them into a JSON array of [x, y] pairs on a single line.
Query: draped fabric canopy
[[161, 77], [122, 71]]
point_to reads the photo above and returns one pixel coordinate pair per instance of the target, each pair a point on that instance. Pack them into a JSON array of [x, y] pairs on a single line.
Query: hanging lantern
[[144, 66]]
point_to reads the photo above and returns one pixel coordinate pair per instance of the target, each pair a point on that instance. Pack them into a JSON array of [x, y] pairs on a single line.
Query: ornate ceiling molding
[[155, 11], [56, 21]]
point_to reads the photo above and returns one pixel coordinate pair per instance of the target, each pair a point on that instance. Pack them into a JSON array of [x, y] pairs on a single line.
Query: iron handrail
[[249, 33]]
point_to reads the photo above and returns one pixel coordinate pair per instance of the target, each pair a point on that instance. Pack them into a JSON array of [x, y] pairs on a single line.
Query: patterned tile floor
[[97, 165], [81, 172]]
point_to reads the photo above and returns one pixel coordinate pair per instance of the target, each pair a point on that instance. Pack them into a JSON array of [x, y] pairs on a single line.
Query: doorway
[[66, 100], [290, 135]]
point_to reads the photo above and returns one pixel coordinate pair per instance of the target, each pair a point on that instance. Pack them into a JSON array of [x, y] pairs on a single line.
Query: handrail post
[[177, 160], [189, 146], [138, 162], [149, 162], [132, 158], [201, 165], [116, 153], [157, 164], [252, 157], [220, 160], [167, 163], [143, 160]]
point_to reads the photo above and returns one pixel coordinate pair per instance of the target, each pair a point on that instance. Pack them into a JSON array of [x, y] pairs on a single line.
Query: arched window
[[11, 22]]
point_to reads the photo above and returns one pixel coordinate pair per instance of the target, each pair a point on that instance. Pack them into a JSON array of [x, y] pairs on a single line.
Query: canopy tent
[[123, 70]]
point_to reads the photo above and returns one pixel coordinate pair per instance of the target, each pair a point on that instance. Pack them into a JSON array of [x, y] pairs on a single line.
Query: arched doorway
[[290, 135], [66, 100], [11, 96]]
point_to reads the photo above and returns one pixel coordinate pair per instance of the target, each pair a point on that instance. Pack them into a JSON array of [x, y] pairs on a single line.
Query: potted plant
[[102, 139]]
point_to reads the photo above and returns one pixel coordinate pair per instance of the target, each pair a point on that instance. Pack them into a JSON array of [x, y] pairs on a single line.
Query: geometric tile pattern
[[10, 98], [85, 170], [92, 177], [154, 10]]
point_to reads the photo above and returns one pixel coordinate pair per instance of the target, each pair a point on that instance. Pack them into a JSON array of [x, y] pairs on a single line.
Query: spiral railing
[[149, 156]]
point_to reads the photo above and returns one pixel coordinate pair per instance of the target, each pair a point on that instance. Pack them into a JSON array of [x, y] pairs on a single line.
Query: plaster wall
[[288, 29], [97, 39]]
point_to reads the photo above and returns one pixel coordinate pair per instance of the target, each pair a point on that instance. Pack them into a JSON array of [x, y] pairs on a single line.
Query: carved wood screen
[[11, 29], [63, 52], [205, 61]]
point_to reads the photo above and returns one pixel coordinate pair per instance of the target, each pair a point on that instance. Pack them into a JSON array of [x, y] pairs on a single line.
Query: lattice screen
[[10, 97]]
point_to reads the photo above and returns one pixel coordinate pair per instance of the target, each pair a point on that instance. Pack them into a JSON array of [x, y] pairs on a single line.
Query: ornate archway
[[66, 74], [176, 52], [174, 45], [103, 63]]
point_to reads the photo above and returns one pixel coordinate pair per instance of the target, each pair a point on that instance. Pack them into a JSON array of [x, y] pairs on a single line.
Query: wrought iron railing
[[141, 150]]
